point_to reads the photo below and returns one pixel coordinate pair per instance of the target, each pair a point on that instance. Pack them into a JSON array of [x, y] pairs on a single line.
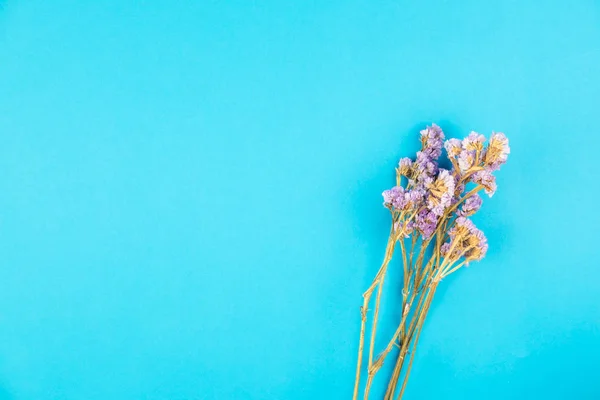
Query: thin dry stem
[[449, 270], [364, 309], [363, 313], [419, 327], [404, 346], [380, 281]]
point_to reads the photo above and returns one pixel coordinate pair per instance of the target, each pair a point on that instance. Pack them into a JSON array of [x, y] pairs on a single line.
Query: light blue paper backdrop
[[190, 195]]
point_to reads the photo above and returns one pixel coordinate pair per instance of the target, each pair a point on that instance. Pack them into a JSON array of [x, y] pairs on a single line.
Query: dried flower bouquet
[[430, 209]]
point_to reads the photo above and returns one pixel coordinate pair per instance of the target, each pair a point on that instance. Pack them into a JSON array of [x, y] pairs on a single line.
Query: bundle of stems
[[434, 238]]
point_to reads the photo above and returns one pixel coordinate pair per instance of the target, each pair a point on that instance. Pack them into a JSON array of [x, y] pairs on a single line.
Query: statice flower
[[470, 206], [424, 166], [413, 198], [465, 241], [399, 199], [461, 227], [497, 151], [394, 198], [432, 140], [479, 246], [405, 166], [444, 249], [473, 142], [466, 160], [441, 192], [426, 223], [453, 147], [434, 207], [466, 152], [487, 180]]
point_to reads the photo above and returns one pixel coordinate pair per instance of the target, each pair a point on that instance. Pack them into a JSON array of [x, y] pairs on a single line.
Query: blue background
[[190, 197]]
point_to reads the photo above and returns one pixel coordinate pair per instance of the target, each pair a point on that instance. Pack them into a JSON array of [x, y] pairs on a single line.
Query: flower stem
[[372, 369], [391, 389], [419, 328], [364, 309]]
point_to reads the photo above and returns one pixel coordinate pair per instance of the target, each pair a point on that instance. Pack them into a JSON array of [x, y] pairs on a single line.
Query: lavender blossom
[[432, 140], [399, 199], [441, 192], [405, 166], [444, 249], [394, 198], [497, 151], [466, 160], [465, 241], [473, 142], [487, 180], [424, 165], [461, 225], [453, 147], [470, 206], [414, 197], [426, 223], [479, 245]]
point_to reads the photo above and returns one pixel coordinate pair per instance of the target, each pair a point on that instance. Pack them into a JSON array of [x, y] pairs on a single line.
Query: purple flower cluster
[[425, 168], [438, 184], [470, 206], [430, 190], [399, 199], [405, 166], [430, 209], [497, 151], [426, 222], [394, 198], [487, 180], [441, 192], [432, 193], [465, 241], [470, 147], [453, 147], [475, 162], [473, 142], [432, 140]]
